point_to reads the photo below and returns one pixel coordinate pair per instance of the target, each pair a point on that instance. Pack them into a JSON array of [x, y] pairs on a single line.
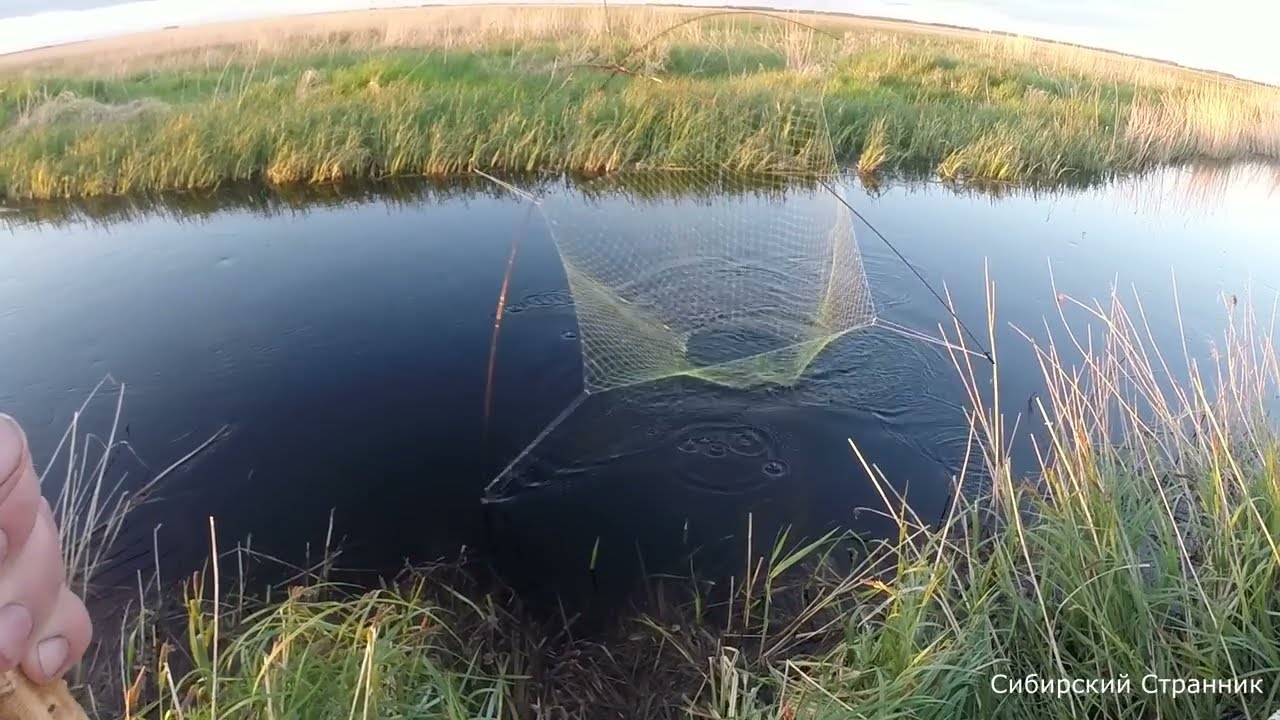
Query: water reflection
[[204, 206], [1194, 188], [1199, 189]]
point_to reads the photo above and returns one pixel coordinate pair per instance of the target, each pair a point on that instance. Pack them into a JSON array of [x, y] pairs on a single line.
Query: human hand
[[44, 627]]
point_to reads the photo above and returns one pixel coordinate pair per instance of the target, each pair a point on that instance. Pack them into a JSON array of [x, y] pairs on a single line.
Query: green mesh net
[[738, 275], [738, 289]]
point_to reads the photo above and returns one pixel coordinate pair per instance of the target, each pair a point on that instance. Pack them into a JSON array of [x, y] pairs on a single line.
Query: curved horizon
[[1188, 33]]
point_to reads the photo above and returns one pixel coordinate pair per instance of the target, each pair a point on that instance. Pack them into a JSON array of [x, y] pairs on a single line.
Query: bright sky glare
[[1234, 36]]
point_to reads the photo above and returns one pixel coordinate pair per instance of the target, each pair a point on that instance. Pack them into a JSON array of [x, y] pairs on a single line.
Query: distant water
[[1213, 36]]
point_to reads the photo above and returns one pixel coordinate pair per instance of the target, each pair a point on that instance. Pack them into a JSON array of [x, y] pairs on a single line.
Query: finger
[[61, 641], [19, 489], [29, 587]]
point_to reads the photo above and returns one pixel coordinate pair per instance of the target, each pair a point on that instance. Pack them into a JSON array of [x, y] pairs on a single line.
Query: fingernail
[[10, 447], [52, 655], [15, 630]]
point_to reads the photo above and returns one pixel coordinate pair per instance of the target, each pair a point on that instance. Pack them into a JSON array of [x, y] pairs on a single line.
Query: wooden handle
[[20, 699]]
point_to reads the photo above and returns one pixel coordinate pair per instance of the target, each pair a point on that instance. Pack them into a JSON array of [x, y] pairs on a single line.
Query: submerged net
[[737, 280]]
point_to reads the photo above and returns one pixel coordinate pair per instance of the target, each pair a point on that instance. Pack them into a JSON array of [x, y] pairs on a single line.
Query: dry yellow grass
[[435, 27], [590, 24], [1220, 122]]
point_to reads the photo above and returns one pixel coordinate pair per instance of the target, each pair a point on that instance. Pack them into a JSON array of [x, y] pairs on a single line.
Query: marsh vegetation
[[443, 92]]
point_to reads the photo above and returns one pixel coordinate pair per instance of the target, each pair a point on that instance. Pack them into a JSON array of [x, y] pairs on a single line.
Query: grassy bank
[[1142, 556], [446, 91]]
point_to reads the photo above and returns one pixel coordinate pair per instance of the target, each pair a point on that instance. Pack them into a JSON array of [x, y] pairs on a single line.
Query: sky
[[1233, 36]]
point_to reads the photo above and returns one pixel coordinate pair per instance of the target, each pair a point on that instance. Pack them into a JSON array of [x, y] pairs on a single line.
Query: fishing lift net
[[736, 279]]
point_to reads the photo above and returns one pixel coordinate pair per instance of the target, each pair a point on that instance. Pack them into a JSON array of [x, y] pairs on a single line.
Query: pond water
[[344, 342]]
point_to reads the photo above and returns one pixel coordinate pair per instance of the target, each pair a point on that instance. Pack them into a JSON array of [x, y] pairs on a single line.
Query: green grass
[[526, 94], [1144, 548], [386, 654]]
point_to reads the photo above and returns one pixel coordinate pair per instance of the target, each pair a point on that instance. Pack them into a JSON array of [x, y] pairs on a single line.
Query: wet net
[[738, 273], [738, 280]]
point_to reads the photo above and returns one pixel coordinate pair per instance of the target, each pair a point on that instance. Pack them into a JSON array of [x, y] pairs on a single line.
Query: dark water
[[344, 343]]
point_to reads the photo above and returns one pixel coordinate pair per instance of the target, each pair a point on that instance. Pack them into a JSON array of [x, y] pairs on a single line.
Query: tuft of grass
[[91, 511], [442, 92], [876, 151], [382, 654]]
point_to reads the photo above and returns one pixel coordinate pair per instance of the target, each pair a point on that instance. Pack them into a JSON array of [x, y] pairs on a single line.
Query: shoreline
[[258, 197], [125, 41]]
